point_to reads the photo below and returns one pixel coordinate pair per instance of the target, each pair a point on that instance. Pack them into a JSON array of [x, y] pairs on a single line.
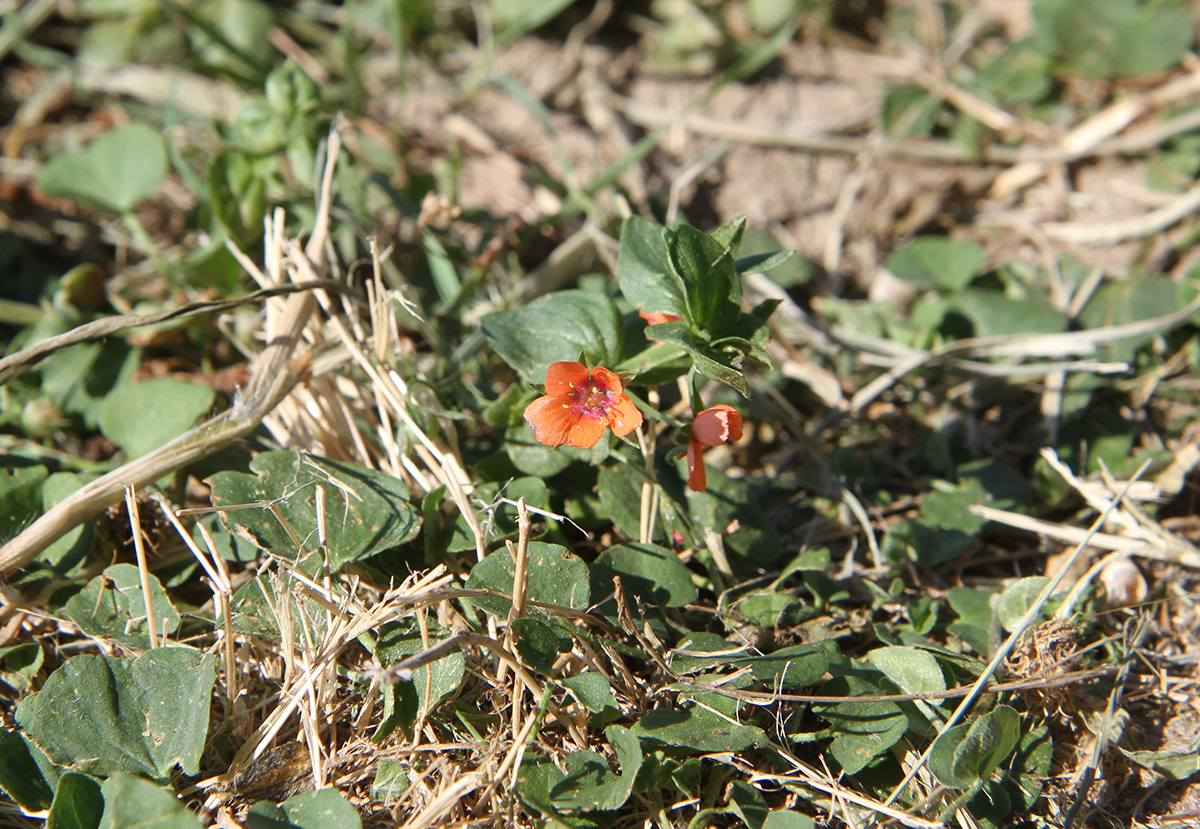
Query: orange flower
[[658, 317], [712, 427], [578, 405]]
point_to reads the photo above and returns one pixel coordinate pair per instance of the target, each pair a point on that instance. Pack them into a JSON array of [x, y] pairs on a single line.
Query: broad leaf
[[366, 512], [644, 270], [130, 801], [27, 775], [553, 575], [78, 803], [557, 327], [141, 417], [696, 730], [938, 262], [651, 573], [113, 606], [590, 784], [914, 671], [102, 714], [324, 809], [116, 171], [712, 283], [429, 685]]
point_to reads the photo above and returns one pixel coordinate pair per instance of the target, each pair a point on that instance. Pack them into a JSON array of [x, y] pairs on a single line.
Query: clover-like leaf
[[115, 172], [366, 512]]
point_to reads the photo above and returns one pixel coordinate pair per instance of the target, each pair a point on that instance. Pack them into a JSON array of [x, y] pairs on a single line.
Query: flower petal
[[697, 476], [564, 376], [624, 417], [586, 432], [551, 419], [717, 424], [606, 380]]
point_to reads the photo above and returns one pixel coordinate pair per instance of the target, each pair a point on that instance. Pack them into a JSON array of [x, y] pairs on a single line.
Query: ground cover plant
[[676, 414]]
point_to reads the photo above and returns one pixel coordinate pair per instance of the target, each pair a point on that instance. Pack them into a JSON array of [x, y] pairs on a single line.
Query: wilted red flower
[[711, 427], [658, 317], [578, 405]]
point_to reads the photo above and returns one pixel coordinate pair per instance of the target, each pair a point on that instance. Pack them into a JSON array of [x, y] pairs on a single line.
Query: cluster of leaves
[[101, 717], [1101, 40]]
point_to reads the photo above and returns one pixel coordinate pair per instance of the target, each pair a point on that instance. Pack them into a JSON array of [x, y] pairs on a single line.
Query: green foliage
[[141, 417], [324, 809], [112, 606], [132, 801], [83, 717], [862, 731], [554, 576], [429, 685], [1113, 38], [366, 512], [560, 326], [115, 172]]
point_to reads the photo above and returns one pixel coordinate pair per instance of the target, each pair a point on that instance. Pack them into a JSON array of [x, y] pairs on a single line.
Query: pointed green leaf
[[644, 270]]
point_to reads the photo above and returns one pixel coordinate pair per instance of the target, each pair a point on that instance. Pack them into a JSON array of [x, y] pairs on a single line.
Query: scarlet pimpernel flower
[[579, 404], [712, 427]]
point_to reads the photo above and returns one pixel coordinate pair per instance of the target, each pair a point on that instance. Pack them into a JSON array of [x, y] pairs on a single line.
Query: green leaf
[[323, 809], [696, 730], [71, 549], [941, 757], [938, 262], [589, 782], [1114, 38], [78, 803], [557, 327], [20, 494], [1030, 769], [539, 642], [116, 171], [1173, 765], [992, 314], [112, 606], [1017, 599], [653, 574], [787, 819], [1133, 300], [81, 378], [729, 235], [862, 730], [19, 664], [620, 493], [366, 512], [26, 774], [430, 685], [712, 284], [989, 742], [391, 781], [711, 363], [141, 417], [553, 575], [130, 801], [593, 690], [797, 666], [914, 671], [102, 714], [644, 269]]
